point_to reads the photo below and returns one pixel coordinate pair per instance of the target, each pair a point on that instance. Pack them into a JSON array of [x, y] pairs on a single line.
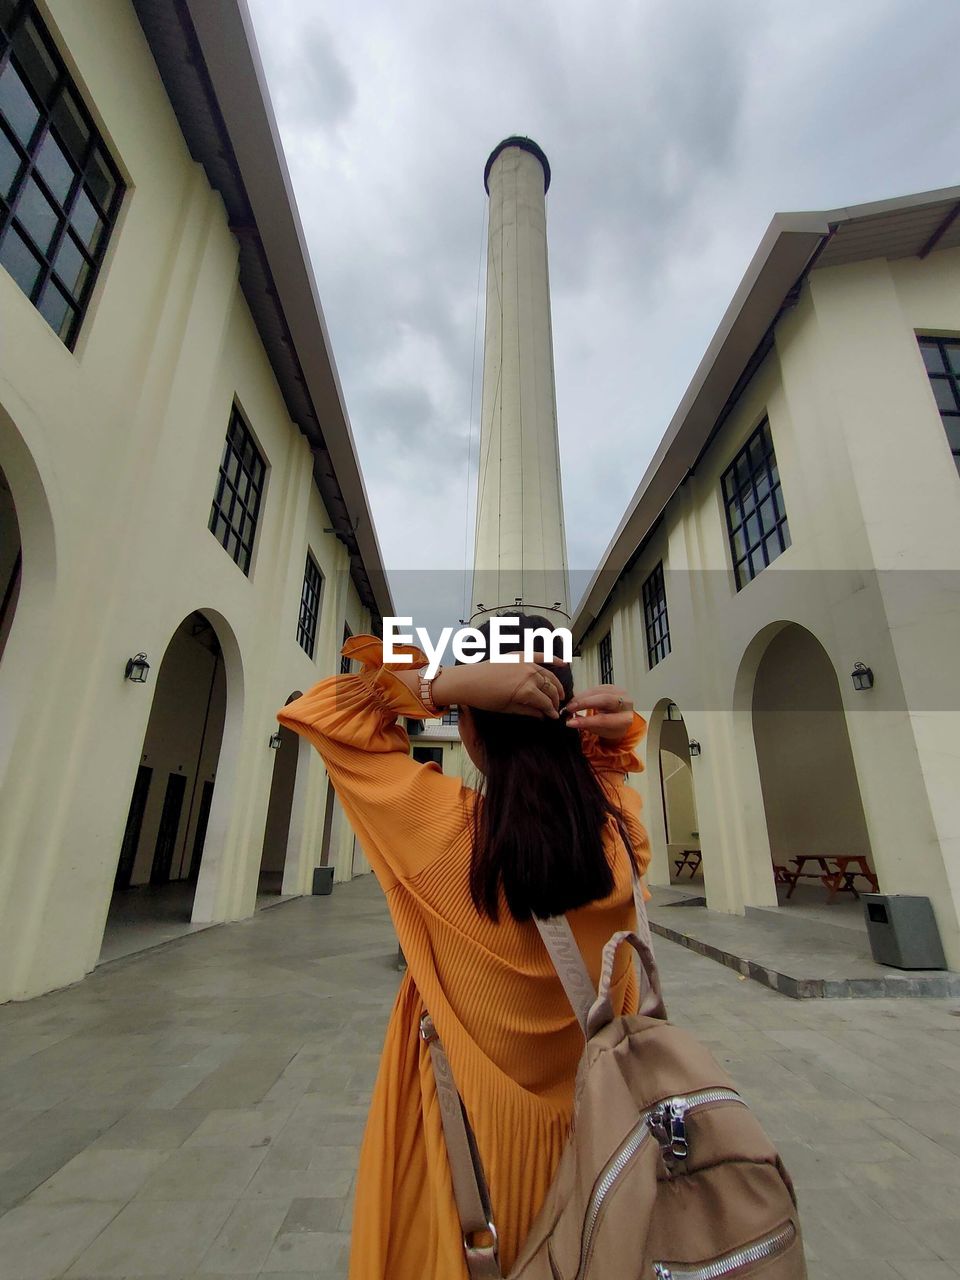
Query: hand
[[609, 712], [513, 688]]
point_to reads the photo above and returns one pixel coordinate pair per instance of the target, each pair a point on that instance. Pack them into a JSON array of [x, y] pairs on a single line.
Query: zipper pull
[[662, 1271], [657, 1124], [678, 1130]]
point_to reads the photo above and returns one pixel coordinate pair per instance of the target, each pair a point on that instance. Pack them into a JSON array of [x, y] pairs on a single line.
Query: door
[[169, 826], [200, 835], [131, 834]]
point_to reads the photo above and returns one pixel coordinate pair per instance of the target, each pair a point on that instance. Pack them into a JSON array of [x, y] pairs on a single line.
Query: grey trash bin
[[323, 880], [903, 931]]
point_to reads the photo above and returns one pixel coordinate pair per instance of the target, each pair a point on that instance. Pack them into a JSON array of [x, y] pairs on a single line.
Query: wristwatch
[[426, 691]]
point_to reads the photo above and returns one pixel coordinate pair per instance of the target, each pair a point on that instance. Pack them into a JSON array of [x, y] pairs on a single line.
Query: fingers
[[611, 721], [547, 692], [602, 698], [551, 662]]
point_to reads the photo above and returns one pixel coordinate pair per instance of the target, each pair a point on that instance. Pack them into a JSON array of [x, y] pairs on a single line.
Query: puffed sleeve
[[615, 757], [405, 814], [612, 762]]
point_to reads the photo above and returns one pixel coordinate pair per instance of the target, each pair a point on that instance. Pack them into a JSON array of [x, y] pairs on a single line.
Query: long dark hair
[[541, 810]]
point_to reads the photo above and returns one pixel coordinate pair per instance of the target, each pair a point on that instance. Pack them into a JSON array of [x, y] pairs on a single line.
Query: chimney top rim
[[522, 144]]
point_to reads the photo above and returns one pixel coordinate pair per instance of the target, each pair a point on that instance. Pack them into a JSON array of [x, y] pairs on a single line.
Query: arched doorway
[[11, 560], [678, 799], [808, 780], [277, 828], [162, 848], [27, 579]]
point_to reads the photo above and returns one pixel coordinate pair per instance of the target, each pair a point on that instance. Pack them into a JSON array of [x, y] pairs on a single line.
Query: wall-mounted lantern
[[480, 607], [694, 747], [137, 669], [275, 741], [861, 676]]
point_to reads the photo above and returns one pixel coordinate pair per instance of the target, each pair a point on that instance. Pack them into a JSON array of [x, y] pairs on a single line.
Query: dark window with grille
[[756, 515], [429, 755], [236, 500], [942, 358], [606, 660], [60, 191], [310, 598], [655, 619], [451, 716], [345, 664]]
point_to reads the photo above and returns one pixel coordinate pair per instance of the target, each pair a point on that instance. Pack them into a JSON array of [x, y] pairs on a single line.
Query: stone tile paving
[[196, 1111]]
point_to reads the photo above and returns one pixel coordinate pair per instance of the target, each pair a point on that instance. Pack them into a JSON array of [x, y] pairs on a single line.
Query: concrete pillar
[[520, 545]]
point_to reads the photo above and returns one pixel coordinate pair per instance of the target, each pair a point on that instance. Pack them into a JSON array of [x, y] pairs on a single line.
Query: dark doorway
[[276, 830], [169, 826], [131, 834], [11, 560], [203, 817]]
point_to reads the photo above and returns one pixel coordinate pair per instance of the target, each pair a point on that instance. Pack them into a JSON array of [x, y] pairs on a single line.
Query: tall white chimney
[[521, 551]]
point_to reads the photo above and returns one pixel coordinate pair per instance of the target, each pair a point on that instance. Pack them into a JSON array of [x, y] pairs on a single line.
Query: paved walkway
[[196, 1110]]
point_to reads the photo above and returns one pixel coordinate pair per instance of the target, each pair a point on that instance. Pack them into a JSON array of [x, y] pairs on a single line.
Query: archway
[[27, 574], [11, 560], [163, 843], [811, 795], [277, 831], [678, 799]]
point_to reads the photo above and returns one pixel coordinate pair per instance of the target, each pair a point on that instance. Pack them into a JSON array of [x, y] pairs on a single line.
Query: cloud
[[675, 131]]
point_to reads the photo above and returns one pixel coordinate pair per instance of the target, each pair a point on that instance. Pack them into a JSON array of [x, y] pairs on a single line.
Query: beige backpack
[[666, 1174]]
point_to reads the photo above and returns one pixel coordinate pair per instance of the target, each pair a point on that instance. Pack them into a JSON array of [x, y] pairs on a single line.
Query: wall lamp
[[137, 669], [861, 676], [694, 747], [275, 741]]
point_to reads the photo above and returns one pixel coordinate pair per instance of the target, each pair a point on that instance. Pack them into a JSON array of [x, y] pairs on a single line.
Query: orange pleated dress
[[510, 1034]]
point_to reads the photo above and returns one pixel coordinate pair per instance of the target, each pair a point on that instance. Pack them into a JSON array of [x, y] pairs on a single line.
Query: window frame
[[308, 622], [62, 97], [605, 658], [755, 471], [346, 664], [948, 375], [226, 484], [656, 620]]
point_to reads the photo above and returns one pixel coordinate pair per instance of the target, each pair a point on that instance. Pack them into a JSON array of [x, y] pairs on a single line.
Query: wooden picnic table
[[691, 858], [838, 878]]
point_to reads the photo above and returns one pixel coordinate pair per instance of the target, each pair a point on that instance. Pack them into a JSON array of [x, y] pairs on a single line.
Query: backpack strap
[[470, 1189], [589, 1005]]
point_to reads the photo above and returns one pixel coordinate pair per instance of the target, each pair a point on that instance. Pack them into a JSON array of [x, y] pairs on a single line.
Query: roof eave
[[788, 246], [251, 173]]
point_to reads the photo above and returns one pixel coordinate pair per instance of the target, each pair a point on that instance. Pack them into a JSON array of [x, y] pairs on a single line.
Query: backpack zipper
[[769, 1247], [670, 1135], [667, 1120]]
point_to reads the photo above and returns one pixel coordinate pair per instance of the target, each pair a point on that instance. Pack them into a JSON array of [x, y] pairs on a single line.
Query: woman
[[552, 828]]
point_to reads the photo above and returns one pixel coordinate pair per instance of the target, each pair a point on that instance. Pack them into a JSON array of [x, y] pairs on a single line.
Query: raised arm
[[610, 730], [405, 814]]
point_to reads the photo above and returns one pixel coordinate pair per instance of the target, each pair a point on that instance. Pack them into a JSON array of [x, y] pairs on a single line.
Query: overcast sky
[[675, 130]]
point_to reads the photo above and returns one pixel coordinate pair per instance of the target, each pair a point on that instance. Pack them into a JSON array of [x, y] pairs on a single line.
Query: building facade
[[782, 596], [179, 488]]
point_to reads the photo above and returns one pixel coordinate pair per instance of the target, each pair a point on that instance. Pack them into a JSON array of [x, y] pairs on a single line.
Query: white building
[[177, 479], [802, 515]]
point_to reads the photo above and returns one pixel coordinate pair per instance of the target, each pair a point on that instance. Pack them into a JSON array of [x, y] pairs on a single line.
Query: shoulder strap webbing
[[470, 1189], [563, 950]]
